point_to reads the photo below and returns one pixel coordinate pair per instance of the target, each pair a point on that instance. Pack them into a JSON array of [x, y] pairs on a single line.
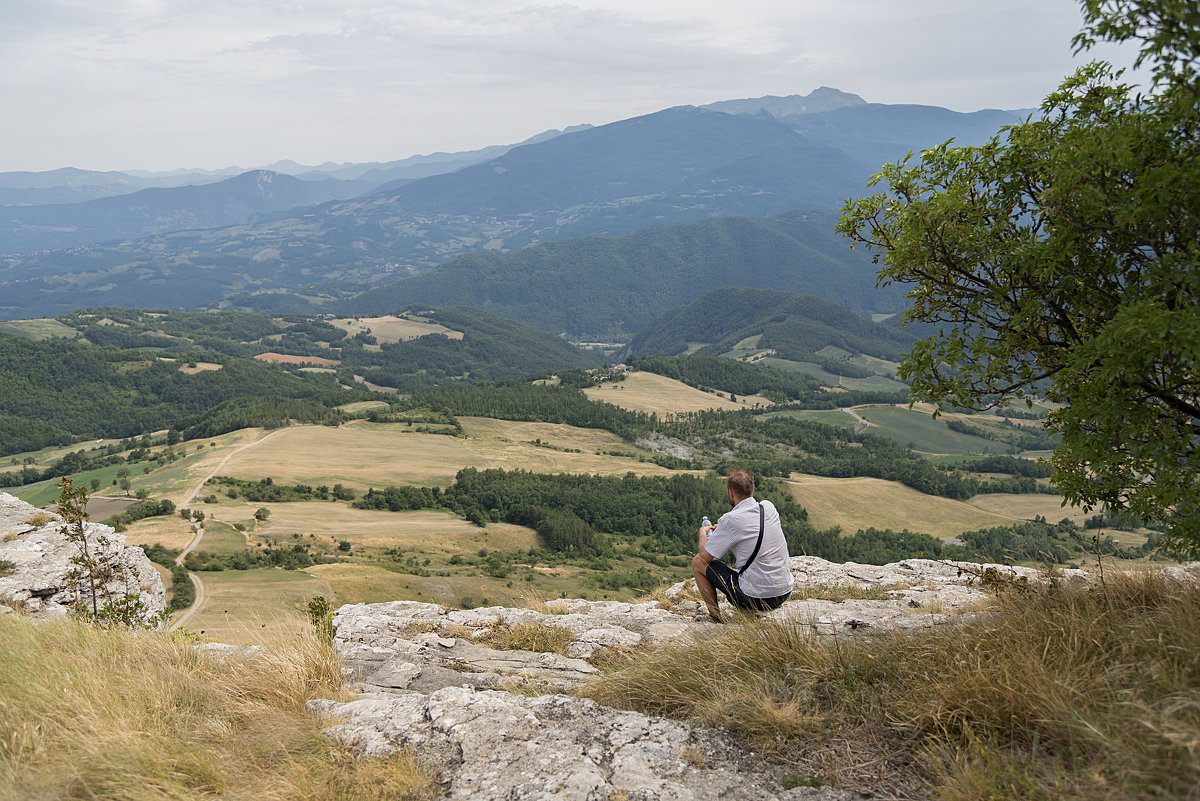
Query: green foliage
[[56, 392], [613, 286], [320, 614], [147, 508], [183, 591], [1061, 259], [258, 412], [294, 558], [97, 567]]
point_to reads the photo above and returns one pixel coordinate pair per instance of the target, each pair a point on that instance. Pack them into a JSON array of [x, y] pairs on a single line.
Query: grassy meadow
[[393, 329], [649, 392], [363, 454], [250, 607], [916, 429], [857, 503]]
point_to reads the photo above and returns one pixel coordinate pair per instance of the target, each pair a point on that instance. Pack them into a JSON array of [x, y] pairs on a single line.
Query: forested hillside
[[612, 287], [795, 326], [137, 371], [58, 392]]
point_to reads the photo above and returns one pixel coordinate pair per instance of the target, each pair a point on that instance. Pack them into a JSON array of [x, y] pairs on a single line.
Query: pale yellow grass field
[[427, 530], [362, 406], [363, 454], [1029, 506], [255, 606], [372, 584], [394, 329], [177, 479], [858, 503], [170, 531], [365, 584], [649, 392], [201, 367]]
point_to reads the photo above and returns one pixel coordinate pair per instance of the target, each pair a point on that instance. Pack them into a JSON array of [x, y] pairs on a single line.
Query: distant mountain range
[[679, 165], [155, 211]]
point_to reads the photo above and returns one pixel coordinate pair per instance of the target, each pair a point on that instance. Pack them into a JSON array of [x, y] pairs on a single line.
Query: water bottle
[[705, 523]]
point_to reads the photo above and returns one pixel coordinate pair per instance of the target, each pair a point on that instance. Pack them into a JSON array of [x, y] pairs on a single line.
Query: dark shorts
[[725, 579]]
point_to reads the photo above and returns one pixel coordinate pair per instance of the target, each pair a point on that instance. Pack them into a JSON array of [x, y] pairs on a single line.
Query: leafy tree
[[1062, 258]]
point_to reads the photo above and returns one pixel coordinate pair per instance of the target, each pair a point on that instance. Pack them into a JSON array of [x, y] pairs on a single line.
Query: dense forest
[[58, 392]]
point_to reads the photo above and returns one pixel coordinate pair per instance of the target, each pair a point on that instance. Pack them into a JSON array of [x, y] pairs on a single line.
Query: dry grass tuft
[[529, 637], [1067, 691], [109, 714], [39, 519], [841, 592]]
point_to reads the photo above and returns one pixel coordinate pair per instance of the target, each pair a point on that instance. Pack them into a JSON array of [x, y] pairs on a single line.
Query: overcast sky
[[162, 84]]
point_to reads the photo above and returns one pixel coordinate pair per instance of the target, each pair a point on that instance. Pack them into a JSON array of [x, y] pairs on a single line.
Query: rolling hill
[[794, 326], [678, 165], [610, 287]]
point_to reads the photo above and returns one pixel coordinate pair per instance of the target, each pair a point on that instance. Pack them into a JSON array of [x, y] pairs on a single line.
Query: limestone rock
[[420, 647], [495, 746], [41, 559]]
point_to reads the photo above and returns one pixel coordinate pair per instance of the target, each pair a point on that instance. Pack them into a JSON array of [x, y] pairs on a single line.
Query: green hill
[[134, 371], [610, 287], [796, 327]]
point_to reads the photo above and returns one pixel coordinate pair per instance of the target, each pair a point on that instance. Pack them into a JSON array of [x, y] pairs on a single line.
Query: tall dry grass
[[87, 714], [1062, 692]]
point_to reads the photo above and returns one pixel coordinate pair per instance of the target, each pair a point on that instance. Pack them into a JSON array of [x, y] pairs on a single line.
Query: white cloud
[[165, 83]]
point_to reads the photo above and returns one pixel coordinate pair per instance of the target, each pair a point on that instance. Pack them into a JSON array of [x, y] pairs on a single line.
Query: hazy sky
[[161, 84]]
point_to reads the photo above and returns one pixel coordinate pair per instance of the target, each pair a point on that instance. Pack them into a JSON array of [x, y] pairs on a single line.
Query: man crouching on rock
[[752, 531]]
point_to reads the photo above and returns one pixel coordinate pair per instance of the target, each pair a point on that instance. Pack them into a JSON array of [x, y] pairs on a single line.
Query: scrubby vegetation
[[1058, 692], [104, 714]]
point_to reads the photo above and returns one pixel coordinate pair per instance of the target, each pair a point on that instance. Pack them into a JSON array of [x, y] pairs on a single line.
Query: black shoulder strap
[[761, 520]]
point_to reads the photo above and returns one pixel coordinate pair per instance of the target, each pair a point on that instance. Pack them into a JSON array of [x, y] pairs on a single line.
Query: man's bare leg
[[707, 591]]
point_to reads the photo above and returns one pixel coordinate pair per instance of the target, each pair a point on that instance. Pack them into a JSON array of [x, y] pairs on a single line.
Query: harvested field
[[200, 367], [170, 531], [429, 530], [284, 358], [363, 454], [247, 607], [394, 329], [858, 503], [642, 391], [1029, 506]]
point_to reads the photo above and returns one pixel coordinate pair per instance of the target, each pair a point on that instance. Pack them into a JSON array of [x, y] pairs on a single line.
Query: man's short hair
[[741, 483]]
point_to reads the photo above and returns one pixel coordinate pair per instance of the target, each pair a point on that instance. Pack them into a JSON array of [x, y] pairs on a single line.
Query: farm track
[[196, 582]]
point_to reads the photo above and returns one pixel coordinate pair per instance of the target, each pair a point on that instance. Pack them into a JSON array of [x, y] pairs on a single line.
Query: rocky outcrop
[[494, 746], [435, 680], [36, 559]]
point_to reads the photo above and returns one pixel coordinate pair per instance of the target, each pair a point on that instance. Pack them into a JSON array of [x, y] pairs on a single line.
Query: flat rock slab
[[420, 647], [494, 746]]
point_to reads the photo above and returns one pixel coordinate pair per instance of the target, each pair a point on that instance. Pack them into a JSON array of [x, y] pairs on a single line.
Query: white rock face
[[495, 746], [41, 559]]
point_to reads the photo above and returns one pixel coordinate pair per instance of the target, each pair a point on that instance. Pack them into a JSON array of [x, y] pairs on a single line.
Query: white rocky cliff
[[35, 557]]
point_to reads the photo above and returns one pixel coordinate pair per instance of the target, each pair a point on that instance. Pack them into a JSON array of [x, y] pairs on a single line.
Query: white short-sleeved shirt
[[771, 574]]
